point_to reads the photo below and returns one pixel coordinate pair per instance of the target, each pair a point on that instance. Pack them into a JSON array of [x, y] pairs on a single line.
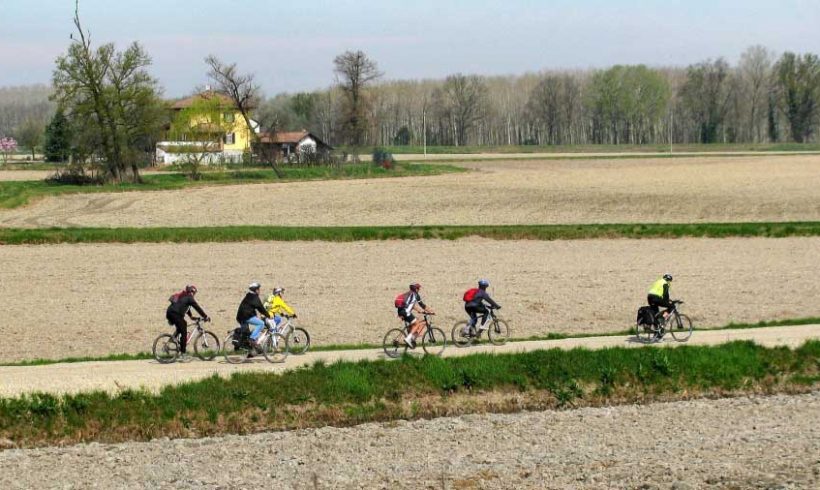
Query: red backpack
[[399, 301], [176, 296], [469, 295]]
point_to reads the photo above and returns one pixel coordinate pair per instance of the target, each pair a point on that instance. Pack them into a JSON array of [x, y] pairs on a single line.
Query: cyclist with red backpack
[[181, 304], [406, 303], [474, 300]]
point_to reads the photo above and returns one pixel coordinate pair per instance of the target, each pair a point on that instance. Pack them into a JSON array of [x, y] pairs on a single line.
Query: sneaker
[[408, 340], [249, 356], [184, 357]]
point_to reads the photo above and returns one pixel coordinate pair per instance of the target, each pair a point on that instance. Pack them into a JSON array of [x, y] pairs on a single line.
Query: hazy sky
[[290, 45]]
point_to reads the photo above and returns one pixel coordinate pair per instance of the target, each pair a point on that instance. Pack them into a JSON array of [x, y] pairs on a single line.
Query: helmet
[[254, 286], [191, 289], [667, 277], [415, 286], [278, 290], [483, 283]]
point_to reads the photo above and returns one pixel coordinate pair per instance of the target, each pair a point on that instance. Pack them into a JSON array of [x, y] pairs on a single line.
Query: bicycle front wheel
[[434, 341], [461, 339], [275, 348], [499, 332], [235, 349], [680, 326], [206, 346], [298, 341], [394, 344], [165, 349]]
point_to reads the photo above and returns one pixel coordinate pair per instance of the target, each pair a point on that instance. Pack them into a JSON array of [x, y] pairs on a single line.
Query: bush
[[383, 158]]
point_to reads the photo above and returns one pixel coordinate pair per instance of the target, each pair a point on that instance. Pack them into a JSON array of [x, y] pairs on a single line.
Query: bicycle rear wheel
[[499, 332], [235, 349], [434, 341], [394, 344], [460, 339], [644, 332], [680, 326], [298, 341], [206, 346], [275, 348], [165, 349]]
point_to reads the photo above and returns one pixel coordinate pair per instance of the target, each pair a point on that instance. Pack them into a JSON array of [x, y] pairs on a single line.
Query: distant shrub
[[383, 158]]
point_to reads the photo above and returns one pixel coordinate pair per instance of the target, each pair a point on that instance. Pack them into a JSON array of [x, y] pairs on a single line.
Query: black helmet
[[667, 277], [483, 283], [190, 289], [415, 286]]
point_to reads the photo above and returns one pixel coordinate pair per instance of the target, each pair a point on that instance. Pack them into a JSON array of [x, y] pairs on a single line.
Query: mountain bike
[[206, 344], [298, 337], [433, 340], [673, 322], [239, 347], [498, 332]]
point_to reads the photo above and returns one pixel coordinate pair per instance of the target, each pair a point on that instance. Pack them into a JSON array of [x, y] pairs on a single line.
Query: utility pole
[[671, 128], [424, 127]]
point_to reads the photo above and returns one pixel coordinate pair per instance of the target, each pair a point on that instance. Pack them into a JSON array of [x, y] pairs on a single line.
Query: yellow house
[[235, 133]]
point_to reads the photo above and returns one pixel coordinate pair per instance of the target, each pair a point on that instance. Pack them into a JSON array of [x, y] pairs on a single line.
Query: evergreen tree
[[58, 138]]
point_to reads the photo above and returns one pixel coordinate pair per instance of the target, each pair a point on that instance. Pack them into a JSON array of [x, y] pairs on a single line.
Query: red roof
[[285, 137]]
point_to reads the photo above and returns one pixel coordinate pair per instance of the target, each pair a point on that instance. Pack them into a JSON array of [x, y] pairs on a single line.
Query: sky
[[290, 45]]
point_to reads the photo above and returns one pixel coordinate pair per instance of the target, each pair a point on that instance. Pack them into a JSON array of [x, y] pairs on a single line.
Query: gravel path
[[98, 299], [759, 442], [114, 376], [698, 189]]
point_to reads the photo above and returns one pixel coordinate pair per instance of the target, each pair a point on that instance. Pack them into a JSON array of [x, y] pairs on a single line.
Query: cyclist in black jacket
[[476, 306], [251, 305], [181, 304]]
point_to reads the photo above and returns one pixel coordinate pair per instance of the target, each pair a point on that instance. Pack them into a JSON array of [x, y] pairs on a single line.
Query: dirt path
[[17, 175], [698, 189], [416, 157], [757, 442], [114, 376], [93, 300]]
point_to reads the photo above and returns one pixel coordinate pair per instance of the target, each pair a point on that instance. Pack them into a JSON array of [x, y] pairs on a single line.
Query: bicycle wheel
[[165, 349], [680, 326], [206, 346], [434, 341], [394, 344], [460, 339], [499, 332], [298, 341], [275, 348], [644, 332], [235, 350], [658, 328]]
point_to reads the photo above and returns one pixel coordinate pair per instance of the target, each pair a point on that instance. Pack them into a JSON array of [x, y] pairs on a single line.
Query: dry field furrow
[[698, 189], [71, 300], [758, 442]]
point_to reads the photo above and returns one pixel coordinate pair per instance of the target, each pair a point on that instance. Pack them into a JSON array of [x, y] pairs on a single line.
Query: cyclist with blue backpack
[[474, 304]]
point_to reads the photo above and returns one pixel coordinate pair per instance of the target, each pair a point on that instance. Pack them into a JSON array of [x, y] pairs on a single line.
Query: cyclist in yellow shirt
[[277, 307]]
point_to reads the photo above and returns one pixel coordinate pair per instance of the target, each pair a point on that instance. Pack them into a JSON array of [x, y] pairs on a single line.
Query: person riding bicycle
[[659, 295], [474, 305], [248, 308], [181, 304], [277, 306], [412, 302]]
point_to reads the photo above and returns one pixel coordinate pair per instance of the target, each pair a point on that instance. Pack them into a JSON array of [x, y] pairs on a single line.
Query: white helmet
[[254, 286]]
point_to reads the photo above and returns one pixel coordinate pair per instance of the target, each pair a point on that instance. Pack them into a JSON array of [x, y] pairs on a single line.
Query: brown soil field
[[9, 175], [699, 189], [71, 300]]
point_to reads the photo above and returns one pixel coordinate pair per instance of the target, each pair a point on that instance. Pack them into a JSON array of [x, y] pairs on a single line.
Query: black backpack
[[644, 316]]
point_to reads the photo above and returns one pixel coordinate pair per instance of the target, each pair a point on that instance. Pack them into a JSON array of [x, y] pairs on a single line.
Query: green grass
[[14, 194], [346, 393], [364, 346], [689, 147], [10, 236]]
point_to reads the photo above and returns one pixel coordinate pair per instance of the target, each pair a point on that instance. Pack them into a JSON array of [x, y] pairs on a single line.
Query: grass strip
[[689, 147], [346, 393], [365, 346], [19, 236], [19, 193]]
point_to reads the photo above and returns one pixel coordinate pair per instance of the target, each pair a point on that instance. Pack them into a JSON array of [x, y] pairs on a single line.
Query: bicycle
[[433, 340], [238, 348], [205, 342], [498, 332], [675, 323], [298, 337]]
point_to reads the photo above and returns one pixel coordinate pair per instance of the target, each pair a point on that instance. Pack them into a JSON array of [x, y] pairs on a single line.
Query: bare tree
[[756, 71], [245, 93], [462, 98], [354, 71]]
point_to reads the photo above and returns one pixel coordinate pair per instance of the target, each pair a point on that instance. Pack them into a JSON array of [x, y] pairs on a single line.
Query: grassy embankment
[[363, 346], [347, 393], [687, 148], [10, 236], [19, 193]]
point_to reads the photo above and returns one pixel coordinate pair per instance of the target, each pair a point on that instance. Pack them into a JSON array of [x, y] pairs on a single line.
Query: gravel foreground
[[750, 442]]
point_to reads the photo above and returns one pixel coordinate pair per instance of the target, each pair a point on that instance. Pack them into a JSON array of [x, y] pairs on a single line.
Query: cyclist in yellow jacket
[[277, 306], [659, 294]]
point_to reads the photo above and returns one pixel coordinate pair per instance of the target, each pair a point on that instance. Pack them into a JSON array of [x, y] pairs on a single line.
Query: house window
[[228, 116], [230, 138]]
